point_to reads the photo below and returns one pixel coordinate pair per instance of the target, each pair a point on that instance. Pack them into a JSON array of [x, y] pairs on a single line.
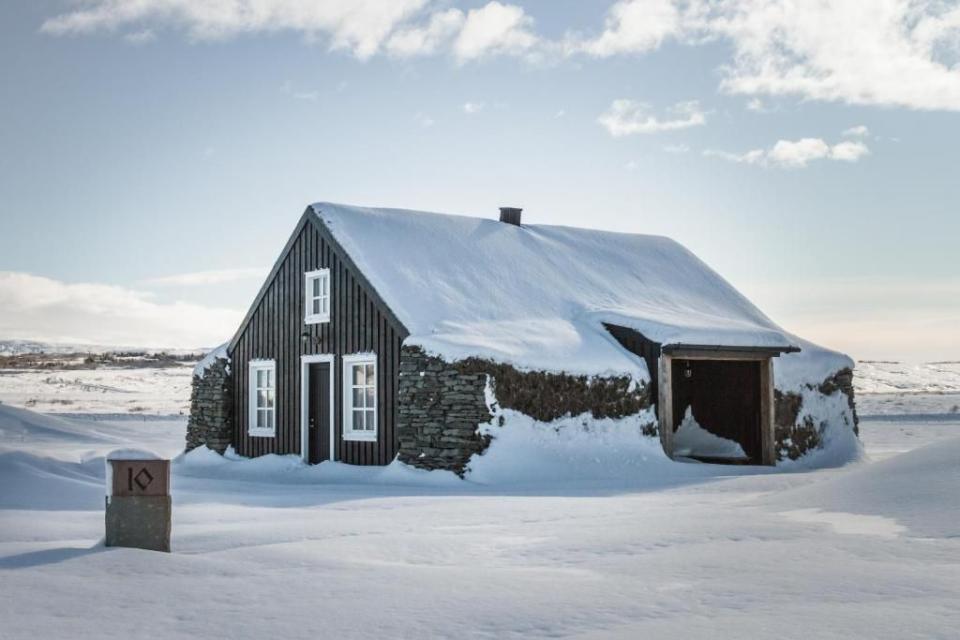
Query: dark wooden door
[[318, 415], [724, 396]]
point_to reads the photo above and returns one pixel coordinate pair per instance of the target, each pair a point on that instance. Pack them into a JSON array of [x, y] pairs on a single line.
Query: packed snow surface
[[272, 548], [537, 295]]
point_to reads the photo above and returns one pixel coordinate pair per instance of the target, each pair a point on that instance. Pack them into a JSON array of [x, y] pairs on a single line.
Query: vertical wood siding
[[358, 324]]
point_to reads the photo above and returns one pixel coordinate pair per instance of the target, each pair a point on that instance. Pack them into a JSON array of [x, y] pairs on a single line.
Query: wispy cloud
[[824, 51], [796, 154], [206, 278], [358, 26], [40, 308], [859, 131], [424, 120], [628, 117], [471, 108], [144, 36]]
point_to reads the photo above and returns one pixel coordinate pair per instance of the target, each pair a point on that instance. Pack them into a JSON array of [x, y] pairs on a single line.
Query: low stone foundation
[[441, 404], [793, 438], [211, 422]]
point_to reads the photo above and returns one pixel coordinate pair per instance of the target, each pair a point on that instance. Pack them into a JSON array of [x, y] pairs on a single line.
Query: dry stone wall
[[441, 404], [211, 420], [795, 437]]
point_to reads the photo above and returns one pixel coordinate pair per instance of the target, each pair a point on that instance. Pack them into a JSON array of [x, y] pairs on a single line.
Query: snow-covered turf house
[[385, 333]]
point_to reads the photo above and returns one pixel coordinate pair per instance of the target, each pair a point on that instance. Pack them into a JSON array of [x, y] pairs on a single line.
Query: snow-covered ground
[[105, 390], [270, 548]]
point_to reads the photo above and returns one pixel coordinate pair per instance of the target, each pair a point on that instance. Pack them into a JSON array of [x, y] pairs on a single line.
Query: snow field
[[270, 547]]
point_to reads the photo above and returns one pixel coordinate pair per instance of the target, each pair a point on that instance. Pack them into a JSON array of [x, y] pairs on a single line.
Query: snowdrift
[[918, 490]]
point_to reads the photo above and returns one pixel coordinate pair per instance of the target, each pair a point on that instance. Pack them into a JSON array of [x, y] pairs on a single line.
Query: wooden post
[[767, 430], [665, 404]]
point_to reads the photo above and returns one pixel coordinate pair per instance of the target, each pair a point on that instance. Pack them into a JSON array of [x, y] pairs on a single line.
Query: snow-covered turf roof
[[537, 295]]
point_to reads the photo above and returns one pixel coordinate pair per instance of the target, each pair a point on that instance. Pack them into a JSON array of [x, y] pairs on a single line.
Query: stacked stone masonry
[[442, 404], [795, 437], [211, 421]]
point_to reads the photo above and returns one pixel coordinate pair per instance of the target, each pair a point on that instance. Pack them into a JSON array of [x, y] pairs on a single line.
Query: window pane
[[369, 369], [260, 419], [315, 308], [325, 305], [270, 398], [261, 399], [371, 401], [371, 420], [270, 378], [358, 374], [315, 286], [326, 285], [261, 378], [358, 420], [357, 398], [272, 416]]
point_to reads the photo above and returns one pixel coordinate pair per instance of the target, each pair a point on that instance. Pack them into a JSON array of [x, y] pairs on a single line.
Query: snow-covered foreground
[[268, 548]]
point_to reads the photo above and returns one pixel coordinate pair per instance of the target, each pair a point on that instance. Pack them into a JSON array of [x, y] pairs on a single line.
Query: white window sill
[[360, 436], [262, 433], [316, 319]]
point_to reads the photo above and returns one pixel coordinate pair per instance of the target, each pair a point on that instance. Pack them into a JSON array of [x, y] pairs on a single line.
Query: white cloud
[[204, 278], [631, 26], [859, 131], [895, 52], [676, 148], [495, 29], [848, 151], [627, 117], [889, 52], [425, 40], [471, 108], [359, 26], [796, 154], [39, 308]]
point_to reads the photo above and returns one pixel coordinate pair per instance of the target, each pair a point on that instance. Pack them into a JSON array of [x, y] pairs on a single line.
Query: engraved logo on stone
[[142, 479]]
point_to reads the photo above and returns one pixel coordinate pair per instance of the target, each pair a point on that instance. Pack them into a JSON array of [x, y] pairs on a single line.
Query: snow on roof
[[536, 295]]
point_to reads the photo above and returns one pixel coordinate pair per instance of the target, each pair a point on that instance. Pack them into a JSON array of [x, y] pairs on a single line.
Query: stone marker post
[[138, 504]]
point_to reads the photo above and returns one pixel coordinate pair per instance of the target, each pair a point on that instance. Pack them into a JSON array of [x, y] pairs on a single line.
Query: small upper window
[[317, 303], [360, 401], [263, 389]]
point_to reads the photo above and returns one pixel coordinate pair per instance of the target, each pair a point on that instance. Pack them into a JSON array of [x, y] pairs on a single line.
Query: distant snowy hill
[[22, 347], [896, 377]]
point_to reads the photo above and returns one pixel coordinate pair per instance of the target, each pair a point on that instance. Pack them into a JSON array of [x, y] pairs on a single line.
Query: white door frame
[[305, 362]]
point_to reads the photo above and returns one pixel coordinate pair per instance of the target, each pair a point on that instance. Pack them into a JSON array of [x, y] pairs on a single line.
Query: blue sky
[[155, 155]]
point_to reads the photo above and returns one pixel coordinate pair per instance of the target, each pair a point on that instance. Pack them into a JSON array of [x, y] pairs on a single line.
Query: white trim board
[[346, 362], [305, 362]]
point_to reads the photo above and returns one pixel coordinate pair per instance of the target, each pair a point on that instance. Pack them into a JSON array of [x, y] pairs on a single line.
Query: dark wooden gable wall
[[359, 322]]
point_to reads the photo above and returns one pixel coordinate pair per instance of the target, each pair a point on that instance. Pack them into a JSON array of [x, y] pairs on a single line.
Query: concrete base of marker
[[141, 522]]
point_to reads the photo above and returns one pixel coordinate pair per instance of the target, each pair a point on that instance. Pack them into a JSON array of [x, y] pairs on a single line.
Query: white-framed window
[[317, 296], [360, 397], [263, 393]]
